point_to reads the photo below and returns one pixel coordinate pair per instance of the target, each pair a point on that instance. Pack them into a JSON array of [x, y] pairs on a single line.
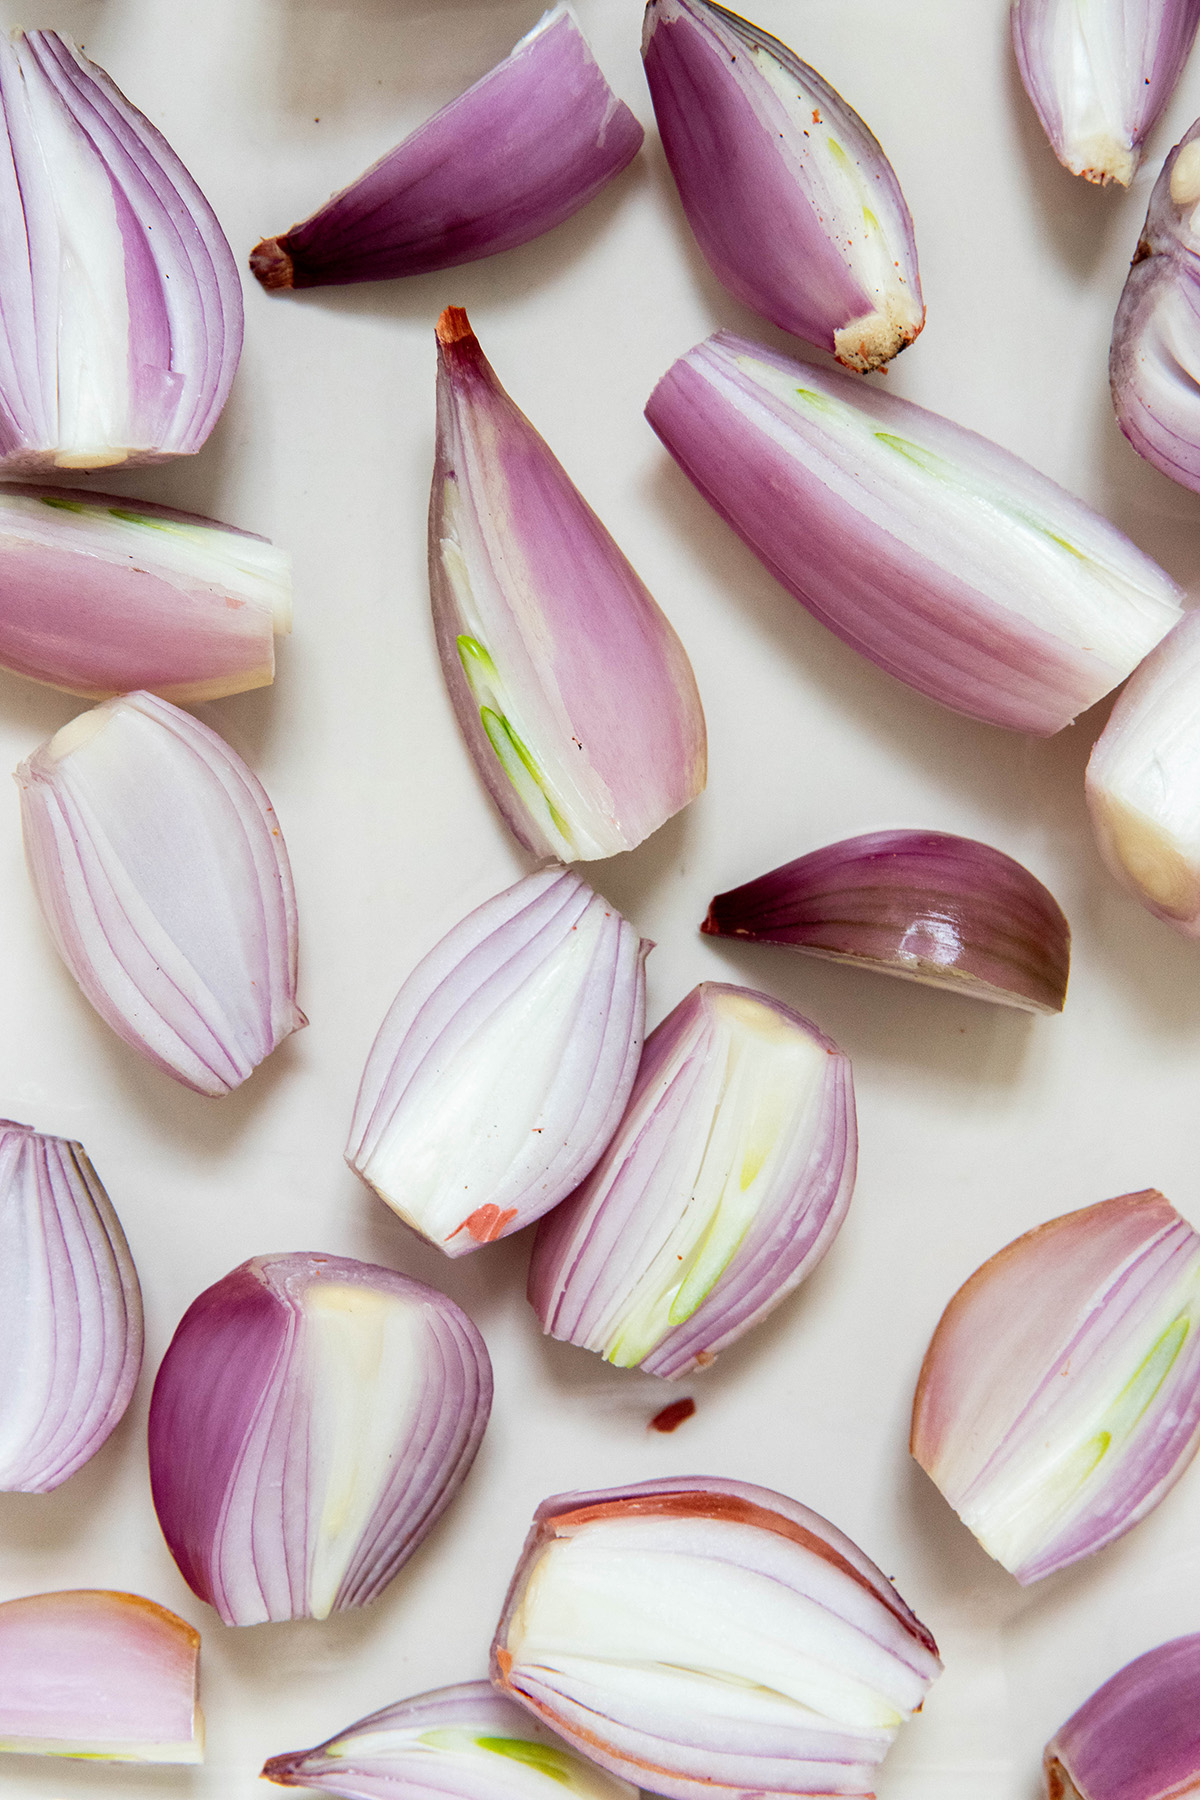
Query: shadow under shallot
[[1161, 516], [42, 1778]]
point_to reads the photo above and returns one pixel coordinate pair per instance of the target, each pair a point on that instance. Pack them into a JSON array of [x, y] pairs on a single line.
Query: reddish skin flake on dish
[[672, 1417]]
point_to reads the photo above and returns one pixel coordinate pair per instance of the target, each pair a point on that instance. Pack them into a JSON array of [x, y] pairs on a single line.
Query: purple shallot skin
[[1138, 1736]]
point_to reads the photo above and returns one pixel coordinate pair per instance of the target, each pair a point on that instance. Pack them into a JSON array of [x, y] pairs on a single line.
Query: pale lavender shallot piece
[[1138, 1736]]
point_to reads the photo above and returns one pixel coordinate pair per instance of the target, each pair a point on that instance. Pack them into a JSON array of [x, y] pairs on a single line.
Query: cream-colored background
[[976, 1122]]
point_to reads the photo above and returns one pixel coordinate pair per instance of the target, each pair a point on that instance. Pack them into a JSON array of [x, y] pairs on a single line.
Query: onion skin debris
[[1059, 1399], [70, 1311], [100, 595], [518, 153], [106, 1676], [573, 694], [162, 876], [311, 1421], [1100, 75], [122, 302], [724, 1186], [504, 1064], [1138, 1736], [1154, 359], [944, 559], [946, 911], [792, 200], [468, 1742], [705, 1637]]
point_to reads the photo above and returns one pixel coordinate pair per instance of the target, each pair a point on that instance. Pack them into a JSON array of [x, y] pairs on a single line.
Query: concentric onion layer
[[162, 876], [109, 1677], [1138, 1736], [942, 910], [504, 1065], [312, 1419], [70, 1311], [724, 1186], [516, 154], [121, 299], [466, 1742], [707, 1637], [953, 565], [792, 200], [1059, 1399]]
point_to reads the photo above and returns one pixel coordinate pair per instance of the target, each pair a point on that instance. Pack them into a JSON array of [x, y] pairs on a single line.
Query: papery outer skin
[[792, 200], [946, 911], [1154, 359], [1059, 1399], [163, 879], [944, 559], [70, 1311], [575, 697], [738, 1561], [1100, 73], [468, 1742], [518, 153], [122, 302], [106, 1676], [674, 1191], [312, 1419], [100, 595], [1141, 781], [504, 1065], [1138, 1736]]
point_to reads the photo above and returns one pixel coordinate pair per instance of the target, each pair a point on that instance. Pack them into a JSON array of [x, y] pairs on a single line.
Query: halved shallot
[[1138, 1736]]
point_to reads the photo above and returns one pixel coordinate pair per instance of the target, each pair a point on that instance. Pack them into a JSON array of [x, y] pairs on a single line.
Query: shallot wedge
[[503, 1067], [101, 595], [950, 563], [1059, 1400], [724, 1186], [163, 879], [311, 1421], [792, 200], [1100, 73], [106, 1676], [121, 300], [709, 1639], [1138, 1736], [518, 153], [70, 1311], [574, 695], [946, 911]]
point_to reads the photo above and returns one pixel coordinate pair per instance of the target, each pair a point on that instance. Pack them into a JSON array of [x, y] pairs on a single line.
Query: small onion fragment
[[943, 910], [121, 300], [1138, 1736], [726, 1183], [110, 1677], [793, 202], [311, 1421], [163, 879], [575, 697], [467, 1742], [706, 1637], [1100, 75], [949, 562], [1154, 360], [518, 153], [100, 595], [503, 1067], [1059, 1399], [70, 1311]]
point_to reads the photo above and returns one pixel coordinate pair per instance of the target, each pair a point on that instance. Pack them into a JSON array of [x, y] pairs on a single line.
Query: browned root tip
[[271, 264], [709, 924], [454, 326], [282, 1770]]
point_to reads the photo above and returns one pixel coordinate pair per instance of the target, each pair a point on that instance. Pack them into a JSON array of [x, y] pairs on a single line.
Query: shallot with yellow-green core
[[792, 200], [1138, 1736], [466, 1742], [706, 1638], [503, 1067], [312, 1419], [574, 695], [724, 1186], [1059, 1399], [946, 911], [105, 1676]]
